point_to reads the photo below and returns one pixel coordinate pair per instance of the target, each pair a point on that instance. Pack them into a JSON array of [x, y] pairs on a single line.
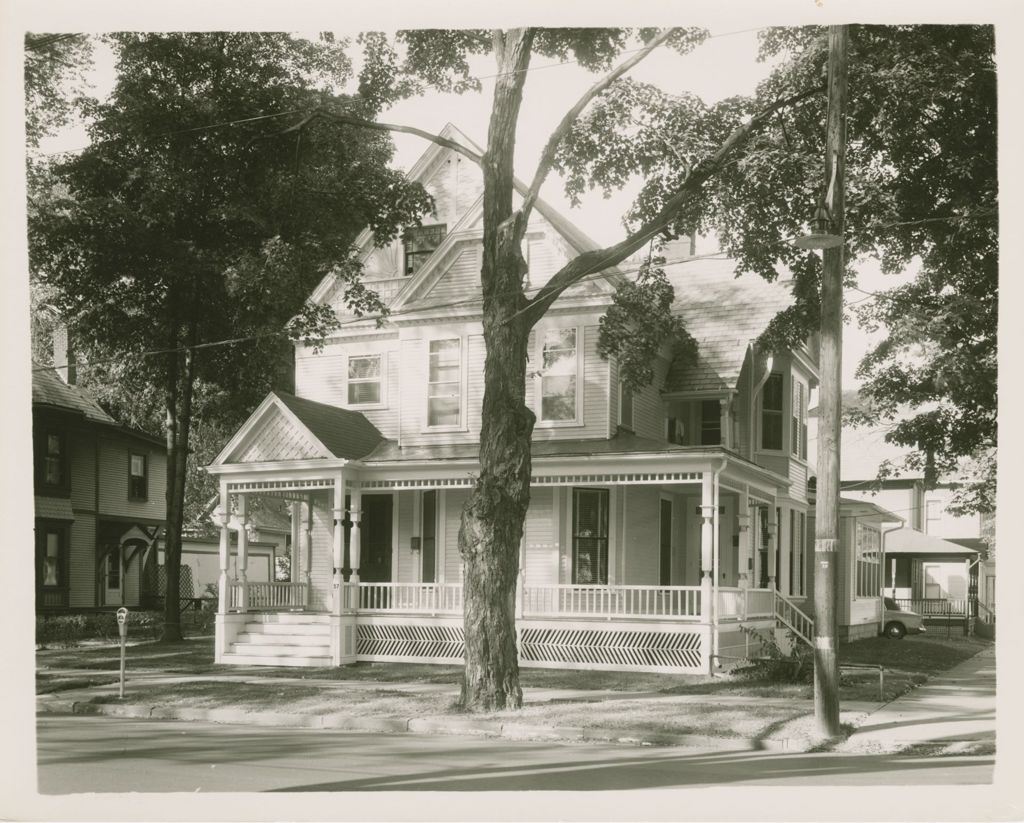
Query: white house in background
[[662, 522]]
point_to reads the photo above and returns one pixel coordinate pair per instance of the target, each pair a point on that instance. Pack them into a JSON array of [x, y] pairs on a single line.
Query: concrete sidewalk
[[952, 713]]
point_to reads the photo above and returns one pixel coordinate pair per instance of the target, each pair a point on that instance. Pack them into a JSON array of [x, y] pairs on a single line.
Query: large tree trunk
[[492, 521], [179, 430]]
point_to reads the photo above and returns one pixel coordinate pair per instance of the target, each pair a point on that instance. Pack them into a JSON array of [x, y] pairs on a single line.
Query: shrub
[[67, 630], [776, 665]]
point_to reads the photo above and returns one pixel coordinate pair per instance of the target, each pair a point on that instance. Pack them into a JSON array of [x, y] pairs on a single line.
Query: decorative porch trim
[[280, 485], [630, 478]]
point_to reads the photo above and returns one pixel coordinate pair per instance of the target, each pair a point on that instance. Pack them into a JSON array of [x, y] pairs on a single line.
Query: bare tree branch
[[547, 157], [591, 262], [359, 122]]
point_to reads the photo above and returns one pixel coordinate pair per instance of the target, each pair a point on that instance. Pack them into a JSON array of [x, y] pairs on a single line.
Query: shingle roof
[[49, 390], [347, 434], [911, 541], [724, 313]]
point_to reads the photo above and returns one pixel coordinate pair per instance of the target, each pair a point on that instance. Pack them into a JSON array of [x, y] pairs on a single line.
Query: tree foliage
[[180, 227]]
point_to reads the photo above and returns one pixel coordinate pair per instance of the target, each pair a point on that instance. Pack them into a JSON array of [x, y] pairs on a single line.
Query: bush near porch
[[71, 629]]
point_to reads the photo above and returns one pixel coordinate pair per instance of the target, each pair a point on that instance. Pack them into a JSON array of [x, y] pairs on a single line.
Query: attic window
[[419, 243]]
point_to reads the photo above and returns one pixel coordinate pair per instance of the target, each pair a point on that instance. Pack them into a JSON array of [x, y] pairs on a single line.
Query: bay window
[[771, 413]]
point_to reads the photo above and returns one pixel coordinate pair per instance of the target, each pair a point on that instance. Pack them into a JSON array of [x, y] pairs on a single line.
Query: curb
[[440, 725]]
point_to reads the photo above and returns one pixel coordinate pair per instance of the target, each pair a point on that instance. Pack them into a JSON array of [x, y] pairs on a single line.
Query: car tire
[[895, 631]]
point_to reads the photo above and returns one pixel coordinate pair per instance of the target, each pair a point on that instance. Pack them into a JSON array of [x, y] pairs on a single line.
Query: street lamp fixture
[[821, 236]]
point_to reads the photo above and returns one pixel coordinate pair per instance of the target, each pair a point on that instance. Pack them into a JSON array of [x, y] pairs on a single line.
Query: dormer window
[[419, 243]]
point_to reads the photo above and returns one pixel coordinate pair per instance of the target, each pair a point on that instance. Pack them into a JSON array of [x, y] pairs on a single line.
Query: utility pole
[[826, 537]]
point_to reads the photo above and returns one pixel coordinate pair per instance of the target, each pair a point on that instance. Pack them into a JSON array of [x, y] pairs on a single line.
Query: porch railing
[[740, 604], [935, 606], [790, 614], [679, 602], [433, 598], [264, 595]]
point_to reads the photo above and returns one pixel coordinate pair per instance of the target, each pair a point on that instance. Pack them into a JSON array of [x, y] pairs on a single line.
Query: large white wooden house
[[661, 521]]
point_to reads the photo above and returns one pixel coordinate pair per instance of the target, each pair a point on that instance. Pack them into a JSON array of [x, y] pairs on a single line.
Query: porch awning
[[911, 541]]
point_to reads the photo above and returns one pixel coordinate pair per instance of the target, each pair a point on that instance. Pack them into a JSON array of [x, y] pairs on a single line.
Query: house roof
[[724, 313], [622, 443], [911, 541], [49, 390], [346, 434]]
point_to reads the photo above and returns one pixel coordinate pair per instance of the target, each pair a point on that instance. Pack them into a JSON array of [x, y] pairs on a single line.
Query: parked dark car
[[897, 622]]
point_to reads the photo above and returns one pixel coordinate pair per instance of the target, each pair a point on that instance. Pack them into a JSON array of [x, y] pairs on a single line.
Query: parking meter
[[122, 629]]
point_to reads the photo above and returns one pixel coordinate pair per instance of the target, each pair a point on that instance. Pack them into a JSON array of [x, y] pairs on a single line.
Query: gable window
[[710, 423], [771, 413], [798, 418], [138, 481], [558, 382], [419, 243], [590, 536], [51, 468], [625, 406], [444, 383], [364, 374]]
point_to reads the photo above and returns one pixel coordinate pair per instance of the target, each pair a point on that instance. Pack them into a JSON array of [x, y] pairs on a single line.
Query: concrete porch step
[[246, 659], [288, 629], [271, 618], [281, 639], [280, 650]]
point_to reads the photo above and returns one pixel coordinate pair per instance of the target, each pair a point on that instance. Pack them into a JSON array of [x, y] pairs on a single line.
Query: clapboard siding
[[798, 479], [82, 561], [541, 545], [648, 409], [461, 281], [614, 389], [113, 477], [642, 549], [477, 354], [82, 449]]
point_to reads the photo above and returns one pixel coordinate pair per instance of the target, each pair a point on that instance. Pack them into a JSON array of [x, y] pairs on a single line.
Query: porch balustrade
[[432, 598], [742, 604], [263, 595], [677, 602]]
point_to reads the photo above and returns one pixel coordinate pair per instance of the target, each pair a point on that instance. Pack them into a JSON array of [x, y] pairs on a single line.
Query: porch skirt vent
[[409, 642], [629, 649]]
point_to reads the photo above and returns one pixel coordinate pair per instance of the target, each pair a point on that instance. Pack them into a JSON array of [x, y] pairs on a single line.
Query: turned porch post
[[773, 544], [307, 559], [354, 538], [339, 540], [223, 586], [745, 554], [242, 561], [707, 543]]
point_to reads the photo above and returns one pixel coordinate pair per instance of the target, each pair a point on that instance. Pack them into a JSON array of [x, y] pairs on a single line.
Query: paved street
[[103, 754]]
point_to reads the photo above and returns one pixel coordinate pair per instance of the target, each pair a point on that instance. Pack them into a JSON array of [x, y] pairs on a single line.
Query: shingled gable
[[468, 228], [725, 314]]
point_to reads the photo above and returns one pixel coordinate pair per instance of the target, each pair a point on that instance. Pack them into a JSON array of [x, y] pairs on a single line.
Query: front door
[[375, 550]]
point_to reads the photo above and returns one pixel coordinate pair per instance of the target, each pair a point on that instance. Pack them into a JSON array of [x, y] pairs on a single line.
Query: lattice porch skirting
[[577, 644]]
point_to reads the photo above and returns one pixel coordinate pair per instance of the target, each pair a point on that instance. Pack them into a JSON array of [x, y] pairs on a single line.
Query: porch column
[[243, 552], [707, 543], [773, 544], [354, 538], [223, 586], [307, 558], [295, 509], [339, 540], [745, 555]]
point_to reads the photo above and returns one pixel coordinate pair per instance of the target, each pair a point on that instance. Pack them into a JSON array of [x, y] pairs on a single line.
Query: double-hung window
[[590, 536], [798, 418], [51, 466], [710, 423], [138, 481], [444, 383], [771, 413], [559, 376], [51, 564], [364, 380], [869, 577], [419, 243]]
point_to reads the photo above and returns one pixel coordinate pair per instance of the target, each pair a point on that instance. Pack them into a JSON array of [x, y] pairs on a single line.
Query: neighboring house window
[[138, 481], [590, 536], [444, 383], [797, 524], [364, 374], [798, 418], [51, 564], [52, 466], [710, 423], [625, 406], [113, 571], [419, 243], [932, 513], [771, 413], [869, 543], [762, 547], [558, 382]]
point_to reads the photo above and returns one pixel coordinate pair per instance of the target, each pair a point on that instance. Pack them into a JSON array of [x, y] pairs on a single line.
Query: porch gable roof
[[910, 541], [286, 427]]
